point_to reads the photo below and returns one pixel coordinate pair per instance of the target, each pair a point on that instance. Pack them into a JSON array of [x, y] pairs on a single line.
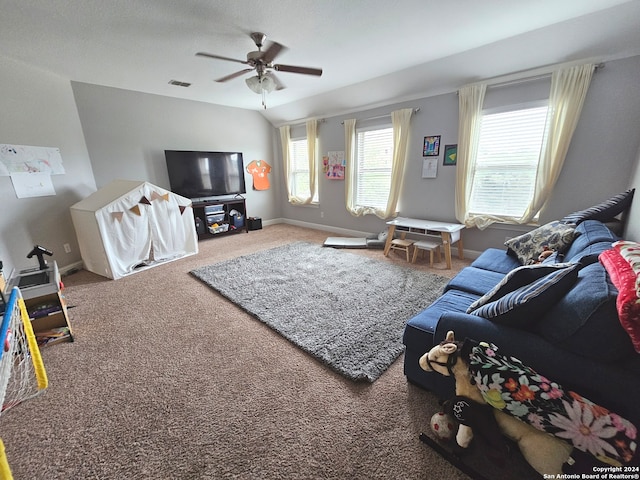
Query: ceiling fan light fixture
[[268, 83], [259, 84], [254, 84]]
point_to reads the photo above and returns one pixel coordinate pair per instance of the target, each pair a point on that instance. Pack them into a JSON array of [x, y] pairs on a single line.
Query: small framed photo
[[450, 155], [431, 146]]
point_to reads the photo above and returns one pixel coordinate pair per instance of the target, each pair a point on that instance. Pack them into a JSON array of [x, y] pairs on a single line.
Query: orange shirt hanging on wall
[[259, 170]]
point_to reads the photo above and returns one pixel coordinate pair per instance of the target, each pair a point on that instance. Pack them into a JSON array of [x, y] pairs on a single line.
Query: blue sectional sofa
[[572, 336]]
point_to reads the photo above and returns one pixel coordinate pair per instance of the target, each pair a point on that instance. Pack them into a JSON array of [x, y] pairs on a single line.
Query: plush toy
[[546, 454], [546, 253], [529, 409]]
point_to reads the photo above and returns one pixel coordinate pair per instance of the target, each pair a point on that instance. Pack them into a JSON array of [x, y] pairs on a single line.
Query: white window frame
[[299, 152], [362, 169], [517, 170]]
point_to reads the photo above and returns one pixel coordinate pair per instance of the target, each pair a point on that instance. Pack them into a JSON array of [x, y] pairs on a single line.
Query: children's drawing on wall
[[259, 169], [27, 159], [334, 164]]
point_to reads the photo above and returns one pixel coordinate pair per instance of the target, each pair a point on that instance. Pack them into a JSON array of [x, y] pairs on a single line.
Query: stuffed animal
[[546, 454], [546, 253], [530, 409]]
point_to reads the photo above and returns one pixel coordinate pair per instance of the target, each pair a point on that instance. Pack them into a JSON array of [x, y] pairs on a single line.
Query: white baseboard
[[326, 228], [70, 268]]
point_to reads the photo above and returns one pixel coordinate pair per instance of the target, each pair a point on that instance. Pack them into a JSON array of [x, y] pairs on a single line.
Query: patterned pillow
[[555, 235], [524, 306], [516, 278], [604, 211]]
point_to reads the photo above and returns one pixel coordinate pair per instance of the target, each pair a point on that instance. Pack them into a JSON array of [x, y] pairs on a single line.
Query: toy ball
[[443, 426]]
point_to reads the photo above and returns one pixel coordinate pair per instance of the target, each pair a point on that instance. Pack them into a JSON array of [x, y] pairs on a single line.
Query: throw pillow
[[604, 211], [555, 235], [524, 306], [516, 278]]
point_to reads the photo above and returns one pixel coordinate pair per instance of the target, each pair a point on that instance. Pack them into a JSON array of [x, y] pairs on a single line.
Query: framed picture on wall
[[450, 155], [431, 146]]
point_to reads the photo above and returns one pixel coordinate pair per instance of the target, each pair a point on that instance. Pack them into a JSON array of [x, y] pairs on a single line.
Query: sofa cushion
[[604, 211], [555, 235], [419, 331], [496, 260], [590, 232], [524, 306], [516, 278], [585, 320], [474, 280]]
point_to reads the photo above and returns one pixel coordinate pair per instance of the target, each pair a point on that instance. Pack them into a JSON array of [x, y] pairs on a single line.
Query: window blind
[[507, 161], [299, 174], [374, 158]]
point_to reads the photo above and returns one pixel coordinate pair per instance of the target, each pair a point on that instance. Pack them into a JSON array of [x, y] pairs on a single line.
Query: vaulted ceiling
[[372, 52]]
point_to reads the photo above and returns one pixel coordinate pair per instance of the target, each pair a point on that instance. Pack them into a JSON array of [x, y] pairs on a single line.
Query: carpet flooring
[[346, 310], [166, 380]]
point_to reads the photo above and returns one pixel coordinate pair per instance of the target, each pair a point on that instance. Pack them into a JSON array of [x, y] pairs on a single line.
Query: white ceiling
[[373, 52]]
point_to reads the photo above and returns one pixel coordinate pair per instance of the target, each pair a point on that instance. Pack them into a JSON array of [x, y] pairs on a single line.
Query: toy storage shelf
[[216, 217], [45, 304]]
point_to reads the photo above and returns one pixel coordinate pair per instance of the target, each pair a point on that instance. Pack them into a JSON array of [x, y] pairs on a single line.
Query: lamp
[[262, 84]]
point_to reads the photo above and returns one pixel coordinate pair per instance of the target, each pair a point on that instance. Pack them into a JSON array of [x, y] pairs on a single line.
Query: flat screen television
[[203, 175]]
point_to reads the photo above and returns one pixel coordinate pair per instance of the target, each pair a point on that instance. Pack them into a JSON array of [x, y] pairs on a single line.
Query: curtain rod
[[530, 79], [303, 122], [415, 110], [518, 81]]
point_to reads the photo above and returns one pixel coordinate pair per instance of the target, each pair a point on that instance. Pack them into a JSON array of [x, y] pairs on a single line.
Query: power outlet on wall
[[67, 248]]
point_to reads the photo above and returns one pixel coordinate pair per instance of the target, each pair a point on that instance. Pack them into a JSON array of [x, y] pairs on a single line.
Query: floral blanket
[[508, 385]]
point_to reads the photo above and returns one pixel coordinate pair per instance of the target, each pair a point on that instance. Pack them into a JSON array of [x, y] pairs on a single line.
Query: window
[[299, 174], [506, 167], [374, 158]]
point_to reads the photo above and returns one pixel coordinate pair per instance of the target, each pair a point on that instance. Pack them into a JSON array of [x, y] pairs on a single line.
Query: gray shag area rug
[[346, 310]]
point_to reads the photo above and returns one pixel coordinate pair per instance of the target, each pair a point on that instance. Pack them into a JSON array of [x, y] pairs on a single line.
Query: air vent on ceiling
[[179, 83]]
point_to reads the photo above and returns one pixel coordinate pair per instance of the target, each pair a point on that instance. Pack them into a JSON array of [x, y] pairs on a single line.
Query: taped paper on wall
[[28, 185], [26, 159]]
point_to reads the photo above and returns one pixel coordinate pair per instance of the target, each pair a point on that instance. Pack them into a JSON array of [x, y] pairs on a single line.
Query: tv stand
[[214, 217]]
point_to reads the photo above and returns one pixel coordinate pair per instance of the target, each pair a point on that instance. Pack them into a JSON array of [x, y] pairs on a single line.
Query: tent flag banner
[[117, 215], [156, 196], [136, 209], [145, 200]]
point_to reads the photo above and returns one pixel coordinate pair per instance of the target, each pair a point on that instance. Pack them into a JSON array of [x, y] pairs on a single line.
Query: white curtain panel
[[568, 90], [401, 121], [312, 145], [350, 170], [470, 101]]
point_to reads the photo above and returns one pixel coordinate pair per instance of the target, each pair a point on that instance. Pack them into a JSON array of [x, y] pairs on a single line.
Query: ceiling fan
[[262, 62]]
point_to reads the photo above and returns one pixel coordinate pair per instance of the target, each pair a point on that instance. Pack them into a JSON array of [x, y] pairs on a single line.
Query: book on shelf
[[52, 335]]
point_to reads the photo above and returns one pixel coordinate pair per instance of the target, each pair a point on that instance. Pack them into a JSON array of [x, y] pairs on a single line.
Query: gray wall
[[37, 109], [120, 134], [127, 133], [633, 228], [599, 164]]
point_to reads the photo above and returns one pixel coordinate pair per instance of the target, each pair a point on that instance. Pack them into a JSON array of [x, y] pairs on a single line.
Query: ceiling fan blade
[[294, 69], [219, 57], [272, 52], [234, 75]]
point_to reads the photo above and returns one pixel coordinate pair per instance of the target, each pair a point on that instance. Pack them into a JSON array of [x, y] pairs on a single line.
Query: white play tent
[[128, 226]]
